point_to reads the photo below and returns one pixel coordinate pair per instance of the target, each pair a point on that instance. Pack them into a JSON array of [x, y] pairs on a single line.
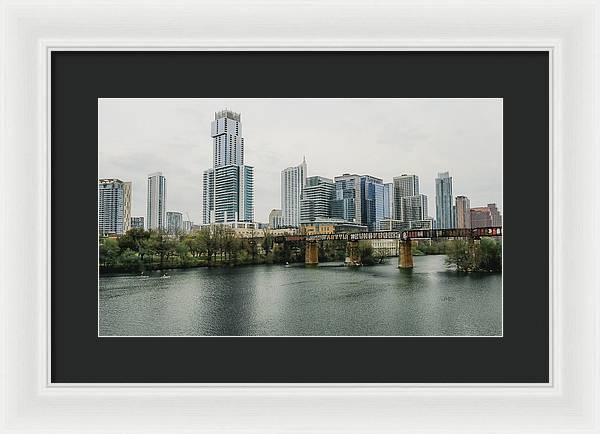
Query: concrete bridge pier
[[353, 252], [311, 255], [405, 259]]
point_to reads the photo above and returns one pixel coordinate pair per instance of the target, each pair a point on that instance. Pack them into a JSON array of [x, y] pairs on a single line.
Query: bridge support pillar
[[353, 254], [405, 259], [311, 255]]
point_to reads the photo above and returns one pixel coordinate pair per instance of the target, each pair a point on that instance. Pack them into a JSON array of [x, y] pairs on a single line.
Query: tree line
[[140, 249]]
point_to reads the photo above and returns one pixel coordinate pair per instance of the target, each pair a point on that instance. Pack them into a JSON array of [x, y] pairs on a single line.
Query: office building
[[388, 201], [443, 201], [371, 192], [481, 217], [414, 208], [156, 201], [463, 212], [228, 187], [114, 206], [485, 216], [346, 203], [275, 219], [404, 186], [293, 180], [137, 222], [315, 202], [174, 222], [409, 204]]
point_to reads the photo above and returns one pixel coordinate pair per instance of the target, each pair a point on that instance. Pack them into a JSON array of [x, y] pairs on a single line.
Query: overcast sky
[[379, 137]]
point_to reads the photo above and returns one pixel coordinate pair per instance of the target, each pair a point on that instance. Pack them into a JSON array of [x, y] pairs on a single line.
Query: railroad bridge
[[405, 259]]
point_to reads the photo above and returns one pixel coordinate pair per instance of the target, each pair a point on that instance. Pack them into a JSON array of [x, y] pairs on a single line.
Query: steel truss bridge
[[421, 234], [404, 239]]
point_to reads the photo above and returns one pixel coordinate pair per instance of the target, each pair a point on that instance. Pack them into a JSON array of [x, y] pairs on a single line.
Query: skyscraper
[[315, 203], [114, 206], [414, 208], [371, 194], [404, 185], [409, 204], [156, 201], [174, 222], [293, 180], [228, 187], [388, 201], [443, 201], [463, 212], [228, 143], [346, 203]]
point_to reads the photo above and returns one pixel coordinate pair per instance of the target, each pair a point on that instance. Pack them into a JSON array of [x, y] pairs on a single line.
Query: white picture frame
[[568, 30]]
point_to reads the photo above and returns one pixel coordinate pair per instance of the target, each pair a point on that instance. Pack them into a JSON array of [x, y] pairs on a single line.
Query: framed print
[[366, 224]]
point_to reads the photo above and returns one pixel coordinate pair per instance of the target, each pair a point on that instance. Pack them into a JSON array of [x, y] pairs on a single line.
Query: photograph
[[300, 217]]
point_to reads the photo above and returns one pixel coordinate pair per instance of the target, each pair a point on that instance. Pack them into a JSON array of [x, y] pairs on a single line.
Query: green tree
[[182, 251], [207, 242], [366, 252], [109, 252], [459, 255], [489, 255], [483, 255]]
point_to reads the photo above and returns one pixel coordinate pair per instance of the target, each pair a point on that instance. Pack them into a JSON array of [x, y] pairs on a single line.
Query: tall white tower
[[157, 196], [228, 187], [228, 143], [293, 180]]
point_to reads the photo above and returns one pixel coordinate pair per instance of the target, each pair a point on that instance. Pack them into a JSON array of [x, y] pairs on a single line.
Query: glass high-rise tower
[[443, 201], [228, 187]]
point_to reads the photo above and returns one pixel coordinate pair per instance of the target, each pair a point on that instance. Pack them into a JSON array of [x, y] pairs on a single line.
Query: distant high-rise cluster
[[352, 201], [228, 187], [114, 208]]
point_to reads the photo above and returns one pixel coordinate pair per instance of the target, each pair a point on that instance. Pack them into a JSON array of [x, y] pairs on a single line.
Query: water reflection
[[296, 300]]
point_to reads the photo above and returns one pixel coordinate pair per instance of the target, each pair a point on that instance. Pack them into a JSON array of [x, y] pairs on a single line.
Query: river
[[294, 300]]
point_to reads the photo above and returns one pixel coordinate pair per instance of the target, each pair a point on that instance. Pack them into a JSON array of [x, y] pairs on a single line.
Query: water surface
[[278, 300]]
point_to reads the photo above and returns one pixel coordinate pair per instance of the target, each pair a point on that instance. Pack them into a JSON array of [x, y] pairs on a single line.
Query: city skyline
[[179, 144]]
